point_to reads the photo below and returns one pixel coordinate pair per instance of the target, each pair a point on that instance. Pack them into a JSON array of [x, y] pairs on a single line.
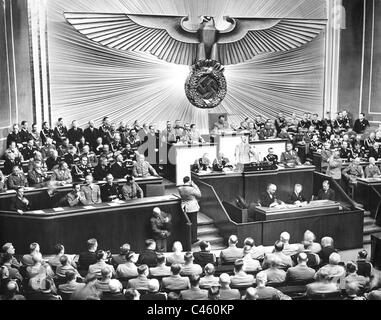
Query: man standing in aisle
[[189, 193]]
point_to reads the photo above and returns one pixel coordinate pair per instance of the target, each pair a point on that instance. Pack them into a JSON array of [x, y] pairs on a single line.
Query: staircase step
[[203, 220], [366, 213], [371, 229], [207, 230], [366, 239], [368, 221]]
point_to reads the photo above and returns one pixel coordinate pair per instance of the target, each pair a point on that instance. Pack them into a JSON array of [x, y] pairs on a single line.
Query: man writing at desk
[[269, 198], [326, 193], [290, 157]]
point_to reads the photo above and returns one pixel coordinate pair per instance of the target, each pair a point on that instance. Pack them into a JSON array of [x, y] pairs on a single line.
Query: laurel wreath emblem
[[215, 72]]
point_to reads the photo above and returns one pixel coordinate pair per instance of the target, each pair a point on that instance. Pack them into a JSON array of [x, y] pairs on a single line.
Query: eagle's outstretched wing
[[162, 36], [251, 37]]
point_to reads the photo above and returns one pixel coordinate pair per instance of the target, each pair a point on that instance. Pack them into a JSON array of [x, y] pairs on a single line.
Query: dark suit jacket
[[100, 173], [325, 253], [153, 296], [119, 172], [113, 296], [107, 191], [16, 204], [91, 136], [48, 202], [203, 258], [85, 260], [329, 195], [74, 135], [148, 257], [266, 200]]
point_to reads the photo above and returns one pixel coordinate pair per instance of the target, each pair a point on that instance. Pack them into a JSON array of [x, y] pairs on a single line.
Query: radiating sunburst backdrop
[[89, 81]]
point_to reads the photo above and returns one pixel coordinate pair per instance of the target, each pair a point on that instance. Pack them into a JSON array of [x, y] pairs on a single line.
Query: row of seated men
[[251, 273], [68, 172], [85, 194]]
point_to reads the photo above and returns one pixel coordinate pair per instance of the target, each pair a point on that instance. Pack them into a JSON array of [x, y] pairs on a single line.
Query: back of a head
[[309, 236], [247, 250], [58, 248], [70, 276], [279, 246], [362, 254], [142, 269], [251, 294], [225, 279], [214, 293], [114, 286], [334, 258], [37, 257], [238, 265], [194, 280], [326, 242], [285, 237], [209, 269], [106, 272], [153, 285], [188, 257], [64, 260], [175, 268], [12, 287], [249, 242], [233, 239], [100, 255], [131, 294], [177, 247], [34, 247], [186, 179], [149, 243], [323, 275], [91, 244], [173, 296], [351, 267], [261, 278], [204, 245], [161, 259], [302, 257], [124, 249]]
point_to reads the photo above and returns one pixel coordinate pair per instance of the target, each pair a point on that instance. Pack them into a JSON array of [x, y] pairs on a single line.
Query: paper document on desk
[[38, 212], [58, 209]]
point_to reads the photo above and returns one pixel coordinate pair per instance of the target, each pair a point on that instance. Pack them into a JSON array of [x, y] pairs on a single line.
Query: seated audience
[[175, 282], [288, 249], [140, 283], [27, 259], [257, 252], [131, 190], [227, 293], [301, 273], [274, 274], [12, 292], [97, 267], [89, 257], [104, 278], [89, 291], [364, 267], [161, 270], [268, 293], [372, 170], [284, 261], [65, 266], [313, 260], [37, 177], [38, 268], [120, 258], [323, 284], [46, 291], [232, 253], [50, 198], [71, 285], [59, 251], [129, 268], [53, 162], [194, 292], [290, 158], [110, 190], [19, 203], [153, 291], [333, 269], [118, 169], [178, 255], [114, 291], [241, 278], [149, 255], [204, 256], [327, 248], [132, 294], [17, 179], [8, 248], [209, 280], [352, 290], [143, 169], [190, 268], [7, 271], [309, 236], [353, 277], [101, 170], [75, 197], [62, 174], [250, 264], [81, 170], [91, 191]]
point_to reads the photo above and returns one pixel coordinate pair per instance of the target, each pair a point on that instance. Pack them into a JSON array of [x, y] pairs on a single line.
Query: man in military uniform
[[372, 170], [290, 157], [29, 150], [346, 152], [354, 171], [131, 190], [242, 151], [143, 169], [91, 191], [161, 224], [221, 163], [71, 158], [80, 171], [271, 157], [110, 190]]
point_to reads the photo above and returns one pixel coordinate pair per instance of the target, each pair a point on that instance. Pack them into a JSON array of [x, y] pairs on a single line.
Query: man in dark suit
[[110, 190], [19, 203], [91, 135], [60, 132], [326, 193], [118, 169], [297, 197], [75, 133], [29, 150], [194, 293], [149, 255], [17, 179], [231, 253], [269, 198], [327, 249], [24, 132], [101, 170], [361, 124], [204, 256], [89, 257], [114, 293], [175, 282], [14, 136]]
